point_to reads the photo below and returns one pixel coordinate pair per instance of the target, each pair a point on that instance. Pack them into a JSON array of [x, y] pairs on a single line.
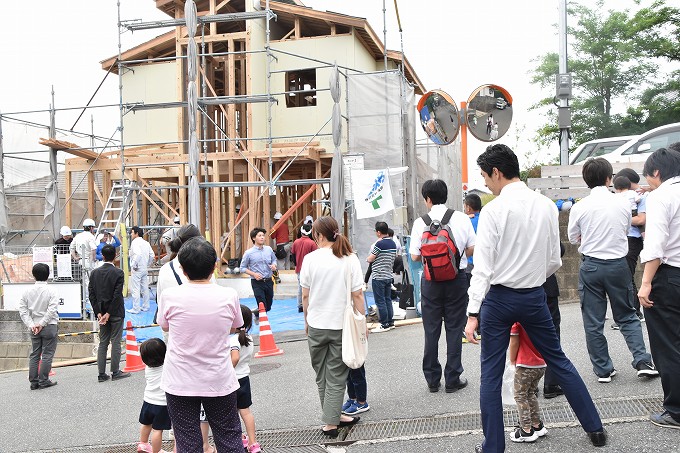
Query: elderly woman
[[324, 296]]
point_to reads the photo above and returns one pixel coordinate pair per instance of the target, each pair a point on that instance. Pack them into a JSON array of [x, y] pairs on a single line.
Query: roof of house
[[286, 11]]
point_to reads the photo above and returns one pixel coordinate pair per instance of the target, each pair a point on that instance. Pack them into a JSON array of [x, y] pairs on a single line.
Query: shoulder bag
[[354, 335]]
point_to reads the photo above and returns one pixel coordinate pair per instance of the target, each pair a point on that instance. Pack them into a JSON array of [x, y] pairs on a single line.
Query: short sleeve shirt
[[527, 355]]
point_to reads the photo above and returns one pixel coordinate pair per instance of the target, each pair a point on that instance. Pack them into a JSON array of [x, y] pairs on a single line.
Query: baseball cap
[[277, 216], [65, 231]]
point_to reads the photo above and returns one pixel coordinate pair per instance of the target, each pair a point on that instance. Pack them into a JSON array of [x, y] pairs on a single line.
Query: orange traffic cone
[[133, 361], [267, 344]]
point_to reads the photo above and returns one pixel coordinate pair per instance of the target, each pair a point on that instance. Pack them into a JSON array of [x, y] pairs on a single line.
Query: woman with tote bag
[[323, 278]]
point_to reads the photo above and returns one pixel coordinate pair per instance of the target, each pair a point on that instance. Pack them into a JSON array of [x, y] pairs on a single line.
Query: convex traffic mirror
[[489, 112], [439, 117]]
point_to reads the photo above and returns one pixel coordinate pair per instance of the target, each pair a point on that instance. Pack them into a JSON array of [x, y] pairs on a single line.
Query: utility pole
[[563, 87]]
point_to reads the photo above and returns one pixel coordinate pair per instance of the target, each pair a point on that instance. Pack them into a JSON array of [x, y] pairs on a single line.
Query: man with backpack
[[442, 239]]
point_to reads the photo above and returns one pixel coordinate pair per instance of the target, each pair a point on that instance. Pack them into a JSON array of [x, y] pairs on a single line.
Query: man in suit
[[106, 296], [551, 387]]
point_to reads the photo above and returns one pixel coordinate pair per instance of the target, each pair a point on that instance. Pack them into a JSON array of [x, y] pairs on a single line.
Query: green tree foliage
[[612, 56]]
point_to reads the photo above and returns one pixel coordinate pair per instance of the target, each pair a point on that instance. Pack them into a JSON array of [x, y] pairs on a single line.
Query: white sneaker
[[381, 329], [607, 378], [132, 311]]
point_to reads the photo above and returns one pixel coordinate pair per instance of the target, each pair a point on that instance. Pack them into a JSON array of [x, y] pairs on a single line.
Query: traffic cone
[[267, 344], [133, 361]]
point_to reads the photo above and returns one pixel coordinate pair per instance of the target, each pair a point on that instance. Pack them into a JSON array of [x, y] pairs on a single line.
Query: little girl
[[154, 414], [241, 352], [530, 369]]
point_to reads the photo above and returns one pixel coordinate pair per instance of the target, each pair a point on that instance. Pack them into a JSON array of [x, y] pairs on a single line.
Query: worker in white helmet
[[83, 251], [167, 237]]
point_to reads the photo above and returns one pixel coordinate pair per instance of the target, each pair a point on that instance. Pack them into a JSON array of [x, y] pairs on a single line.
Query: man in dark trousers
[[551, 387], [106, 296]]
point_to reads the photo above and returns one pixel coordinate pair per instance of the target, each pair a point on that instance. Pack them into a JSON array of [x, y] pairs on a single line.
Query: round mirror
[[489, 112], [439, 117]]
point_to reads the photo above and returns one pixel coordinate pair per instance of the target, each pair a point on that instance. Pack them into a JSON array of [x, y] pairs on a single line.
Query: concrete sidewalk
[[81, 412]]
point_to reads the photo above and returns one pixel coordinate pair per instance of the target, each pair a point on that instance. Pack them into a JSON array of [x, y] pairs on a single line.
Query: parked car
[[637, 150], [501, 103], [598, 147]]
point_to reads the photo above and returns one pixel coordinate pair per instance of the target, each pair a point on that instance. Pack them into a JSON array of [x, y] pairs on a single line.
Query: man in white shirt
[[83, 250], [600, 223], [141, 256], [443, 300], [660, 289], [517, 248]]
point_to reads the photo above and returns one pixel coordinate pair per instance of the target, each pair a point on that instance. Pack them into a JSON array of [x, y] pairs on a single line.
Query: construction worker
[[83, 251], [141, 256], [168, 236]]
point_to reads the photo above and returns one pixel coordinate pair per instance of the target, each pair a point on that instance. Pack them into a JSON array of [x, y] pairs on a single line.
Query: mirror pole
[[463, 148]]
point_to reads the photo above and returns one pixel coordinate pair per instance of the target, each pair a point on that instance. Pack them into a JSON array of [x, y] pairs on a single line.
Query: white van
[[639, 149], [598, 147]]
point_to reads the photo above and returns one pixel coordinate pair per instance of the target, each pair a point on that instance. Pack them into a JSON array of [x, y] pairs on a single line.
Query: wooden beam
[[218, 38], [286, 215], [150, 200], [298, 33]]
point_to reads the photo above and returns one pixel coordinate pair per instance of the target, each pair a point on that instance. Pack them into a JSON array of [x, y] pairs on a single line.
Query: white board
[[68, 293]]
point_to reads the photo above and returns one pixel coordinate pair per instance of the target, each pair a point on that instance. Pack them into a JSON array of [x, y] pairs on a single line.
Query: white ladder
[[117, 206]]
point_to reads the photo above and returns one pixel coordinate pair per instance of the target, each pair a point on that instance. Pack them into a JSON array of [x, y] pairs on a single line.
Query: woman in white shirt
[[324, 296]]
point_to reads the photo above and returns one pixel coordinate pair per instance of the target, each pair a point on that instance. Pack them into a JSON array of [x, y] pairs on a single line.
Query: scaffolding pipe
[[269, 57]]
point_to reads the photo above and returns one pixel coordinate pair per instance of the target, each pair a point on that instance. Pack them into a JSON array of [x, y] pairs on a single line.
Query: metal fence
[[16, 263]]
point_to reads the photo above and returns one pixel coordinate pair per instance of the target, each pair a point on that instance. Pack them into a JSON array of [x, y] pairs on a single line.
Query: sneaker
[[356, 408], [144, 447], [607, 377], [144, 309], [381, 329], [255, 448], [347, 404], [519, 435], [103, 377], [132, 311], [664, 420], [646, 369], [119, 375], [615, 326], [540, 431]]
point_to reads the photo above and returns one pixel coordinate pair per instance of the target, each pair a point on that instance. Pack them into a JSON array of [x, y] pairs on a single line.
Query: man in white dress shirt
[[600, 223], [660, 289], [141, 256], [517, 248]]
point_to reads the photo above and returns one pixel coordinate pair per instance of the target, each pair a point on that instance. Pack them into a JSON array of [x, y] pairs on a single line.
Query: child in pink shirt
[[200, 315], [530, 369]]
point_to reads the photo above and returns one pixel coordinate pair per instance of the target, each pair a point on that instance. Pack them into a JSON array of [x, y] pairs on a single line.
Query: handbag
[[508, 388], [354, 335]]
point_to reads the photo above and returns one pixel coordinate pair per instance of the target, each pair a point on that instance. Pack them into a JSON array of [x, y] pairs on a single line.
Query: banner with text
[[372, 193]]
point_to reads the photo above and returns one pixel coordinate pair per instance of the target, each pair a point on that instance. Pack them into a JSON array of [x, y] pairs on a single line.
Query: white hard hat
[[309, 219], [99, 238], [176, 219], [277, 216], [238, 207], [88, 222], [65, 231]]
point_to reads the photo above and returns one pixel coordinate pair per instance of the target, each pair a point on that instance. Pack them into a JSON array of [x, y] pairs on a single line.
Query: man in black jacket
[[106, 296]]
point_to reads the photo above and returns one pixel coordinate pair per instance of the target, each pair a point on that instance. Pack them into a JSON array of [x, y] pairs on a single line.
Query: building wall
[[150, 84]]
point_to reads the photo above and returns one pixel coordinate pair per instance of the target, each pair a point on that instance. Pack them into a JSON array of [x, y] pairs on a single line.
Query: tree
[[606, 66]]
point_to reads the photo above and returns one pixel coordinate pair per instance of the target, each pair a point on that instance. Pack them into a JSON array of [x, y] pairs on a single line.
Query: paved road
[[80, 411]]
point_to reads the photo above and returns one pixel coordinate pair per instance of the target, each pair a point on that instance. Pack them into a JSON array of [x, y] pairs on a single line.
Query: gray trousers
[[325, 350], [110, 332], [43, 346], [599, 279]]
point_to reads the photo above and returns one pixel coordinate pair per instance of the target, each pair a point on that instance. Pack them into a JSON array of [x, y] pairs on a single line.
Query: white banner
[[372, 193]]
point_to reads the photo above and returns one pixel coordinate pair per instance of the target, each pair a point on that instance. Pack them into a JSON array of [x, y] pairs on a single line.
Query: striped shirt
[[385, 251]]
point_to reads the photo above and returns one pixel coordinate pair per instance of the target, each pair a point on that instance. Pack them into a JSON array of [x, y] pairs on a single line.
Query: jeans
[[110, 332], [357, 388], [139, 284], [598, 279], [382, 293], [443, 301], [634, 249], [222, 416], [43, 346], [501, 308]]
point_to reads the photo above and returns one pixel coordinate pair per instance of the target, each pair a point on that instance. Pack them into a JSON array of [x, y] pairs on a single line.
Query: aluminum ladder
[[117, 206]]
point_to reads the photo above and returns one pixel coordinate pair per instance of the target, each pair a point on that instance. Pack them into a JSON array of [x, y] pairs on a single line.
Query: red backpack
[[438, 249]]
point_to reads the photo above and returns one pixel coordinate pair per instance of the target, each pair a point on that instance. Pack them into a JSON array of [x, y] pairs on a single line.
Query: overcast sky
[[454, 46]]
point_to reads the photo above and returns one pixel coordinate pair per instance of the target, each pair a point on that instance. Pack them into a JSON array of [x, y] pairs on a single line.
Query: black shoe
[[103, 377], [598, 438], [46, 384], [354, 421], [552, 391], [35, 386], [434, 388], [332, 433], [119, 375], [461, 384], [478, 448], [300, 310]]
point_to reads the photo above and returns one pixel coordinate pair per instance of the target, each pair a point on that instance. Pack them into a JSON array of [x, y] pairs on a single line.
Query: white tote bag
[[354, 339]]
